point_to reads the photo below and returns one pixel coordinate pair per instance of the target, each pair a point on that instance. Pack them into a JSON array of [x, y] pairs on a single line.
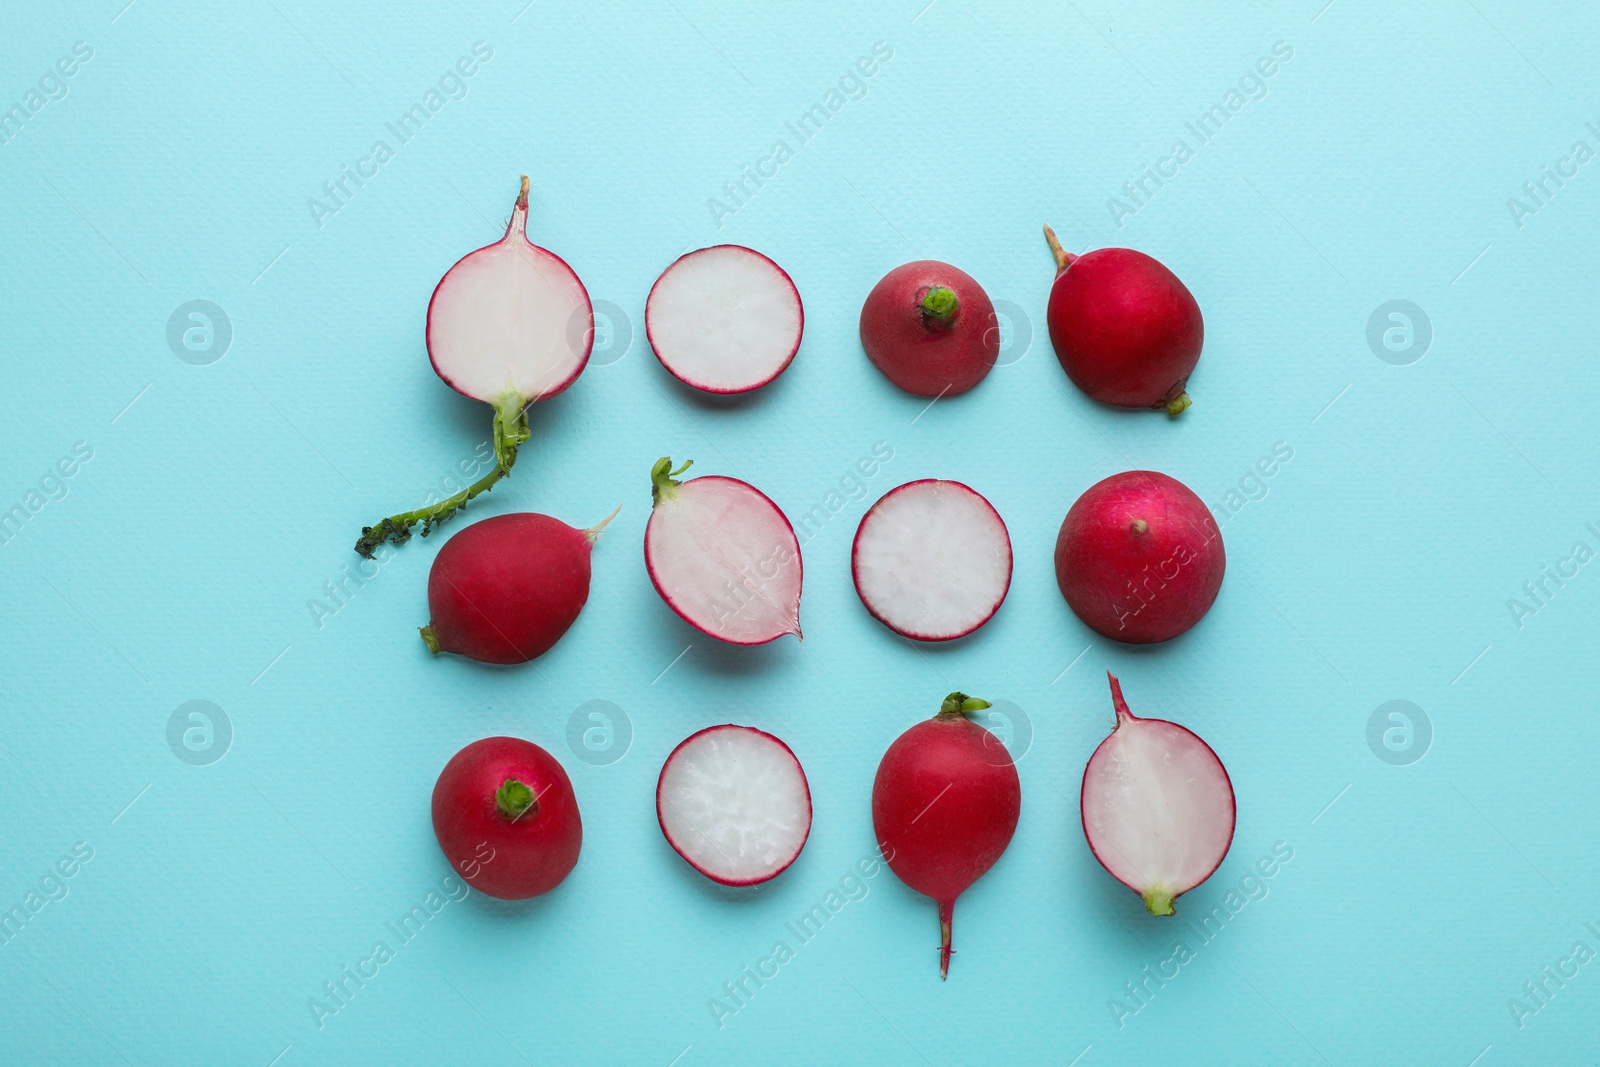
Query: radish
[[944, 807], [1158, 806], [930, 328], [510, 325], [1139, 557], [1126, 330], [504, 590], [724, 319], [932, 560], [506, 818], [723, 557], [734, 803]]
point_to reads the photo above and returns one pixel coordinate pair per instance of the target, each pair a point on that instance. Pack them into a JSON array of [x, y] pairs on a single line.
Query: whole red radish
[[504, 590], [944, 806], [510, 325], [723, 556], [1126, 330], [1139, 557], [1158, 806], [724, 319], [506, 818], [930, 328]]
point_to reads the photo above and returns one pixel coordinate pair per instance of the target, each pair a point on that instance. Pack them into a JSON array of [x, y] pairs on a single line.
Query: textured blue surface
[[184, 558]]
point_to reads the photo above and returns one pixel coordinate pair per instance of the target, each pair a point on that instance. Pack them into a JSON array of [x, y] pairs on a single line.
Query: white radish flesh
[[510, 323], [733, 802], [932, 560], [1158, 807], [724, 319], [722, 555]]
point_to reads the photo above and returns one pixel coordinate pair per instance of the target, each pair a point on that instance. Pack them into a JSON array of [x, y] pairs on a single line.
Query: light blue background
[[1377, 567]]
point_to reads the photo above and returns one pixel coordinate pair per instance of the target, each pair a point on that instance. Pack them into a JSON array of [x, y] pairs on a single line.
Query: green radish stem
[[510, 431], [663, 479]]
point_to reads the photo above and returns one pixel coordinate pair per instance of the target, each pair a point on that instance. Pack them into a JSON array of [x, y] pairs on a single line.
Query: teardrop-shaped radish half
[[1158, 807], [733, 802], [725, 319], [932, 560], [510, 323], [723, 557]]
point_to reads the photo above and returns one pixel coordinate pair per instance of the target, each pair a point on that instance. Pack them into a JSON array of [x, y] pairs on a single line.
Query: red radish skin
[[1127, 331], [723, 556], [944, 808], [733, 801], [506, 818], [504, 590], [1158, 807], [930, 328], [932, 560], [1139, 557], [724, 319], [510, 324]]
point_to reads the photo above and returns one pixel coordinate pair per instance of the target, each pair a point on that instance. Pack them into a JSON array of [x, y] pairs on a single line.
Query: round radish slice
[[733, 801], [510, 323], [1158, 807], [724, 319], [723, 557], [932, 560]]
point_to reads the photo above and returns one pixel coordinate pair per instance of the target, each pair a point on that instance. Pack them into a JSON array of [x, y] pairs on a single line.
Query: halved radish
[[1158, 807], [510, 325], [932, 560], [733, 802], [725, 319], [723, 557]]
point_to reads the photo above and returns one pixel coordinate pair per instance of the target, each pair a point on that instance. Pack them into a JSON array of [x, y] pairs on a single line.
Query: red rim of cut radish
[[723, 334], [1169, 862], [487, 350], [722, 801], [912, 588], [692, 604]]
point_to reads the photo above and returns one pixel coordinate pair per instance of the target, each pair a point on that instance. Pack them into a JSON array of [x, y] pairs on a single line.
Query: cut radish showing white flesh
[[1158, 807], [510, 323], [733, 801], [932, 560], [723, 556], [724, 319]]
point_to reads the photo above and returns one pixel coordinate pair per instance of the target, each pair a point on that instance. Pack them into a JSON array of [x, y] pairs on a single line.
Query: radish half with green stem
[[723, 556], [510, 325], [932, 560], [945, 803], [734, 803], [724, 319], [1158, 806]]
